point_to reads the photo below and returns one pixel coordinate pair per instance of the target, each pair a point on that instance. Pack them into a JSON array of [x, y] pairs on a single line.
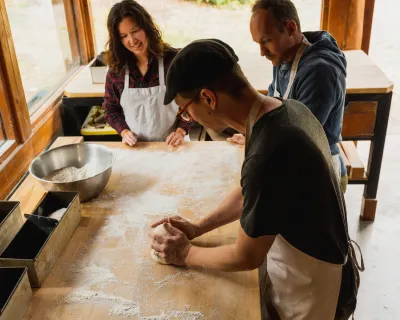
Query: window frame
[[28, 135]]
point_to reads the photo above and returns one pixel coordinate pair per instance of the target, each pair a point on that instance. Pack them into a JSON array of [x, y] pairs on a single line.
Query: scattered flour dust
[[118, 306], [71, 174], [94, 275], [173, 314], [151, 184]]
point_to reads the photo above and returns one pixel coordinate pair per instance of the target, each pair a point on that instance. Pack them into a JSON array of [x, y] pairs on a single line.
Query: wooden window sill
[[7, 149]]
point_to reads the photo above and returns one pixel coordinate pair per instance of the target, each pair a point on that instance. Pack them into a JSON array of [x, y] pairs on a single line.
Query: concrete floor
[[379, 240]]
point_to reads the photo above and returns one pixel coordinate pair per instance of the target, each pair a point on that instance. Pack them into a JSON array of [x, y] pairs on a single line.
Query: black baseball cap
[[197, 64]]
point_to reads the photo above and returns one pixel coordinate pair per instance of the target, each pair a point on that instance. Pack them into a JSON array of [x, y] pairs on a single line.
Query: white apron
[[295, 65], [145, 112], [295, 285]]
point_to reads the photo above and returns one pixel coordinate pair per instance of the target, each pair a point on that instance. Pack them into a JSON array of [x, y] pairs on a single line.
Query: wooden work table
[[118, 266]]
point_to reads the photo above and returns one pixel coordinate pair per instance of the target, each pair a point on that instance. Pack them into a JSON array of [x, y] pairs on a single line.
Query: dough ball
[[161, 231]]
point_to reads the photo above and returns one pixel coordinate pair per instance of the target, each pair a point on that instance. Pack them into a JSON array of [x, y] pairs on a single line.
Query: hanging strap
[[126, 84], [295, 65], [252, 118], [352, 252], [161, 75]]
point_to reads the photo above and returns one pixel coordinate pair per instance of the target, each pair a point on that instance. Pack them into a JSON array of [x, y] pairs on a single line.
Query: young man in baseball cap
[[289, 203]]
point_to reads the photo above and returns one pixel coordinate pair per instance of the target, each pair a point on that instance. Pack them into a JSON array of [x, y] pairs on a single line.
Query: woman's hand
[[176, 138], [128, 137], [237, 139]]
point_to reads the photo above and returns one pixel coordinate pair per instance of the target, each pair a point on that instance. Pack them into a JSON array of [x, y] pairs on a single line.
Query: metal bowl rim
[[72, 144]]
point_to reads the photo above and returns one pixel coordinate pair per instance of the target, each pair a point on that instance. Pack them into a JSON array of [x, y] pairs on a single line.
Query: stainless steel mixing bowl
[[76, 155]]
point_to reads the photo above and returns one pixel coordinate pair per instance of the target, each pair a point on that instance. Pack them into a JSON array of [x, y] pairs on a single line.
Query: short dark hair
[[281, 10], [232, 82]]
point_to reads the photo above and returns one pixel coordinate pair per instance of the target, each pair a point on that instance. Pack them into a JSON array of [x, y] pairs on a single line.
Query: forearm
[[224, 258], [228, 211], [116, 119]]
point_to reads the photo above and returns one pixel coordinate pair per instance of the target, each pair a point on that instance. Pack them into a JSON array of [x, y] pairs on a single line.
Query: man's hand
[[176, 138], [237, 138], [128, 137], [173, 248], [191, 230]]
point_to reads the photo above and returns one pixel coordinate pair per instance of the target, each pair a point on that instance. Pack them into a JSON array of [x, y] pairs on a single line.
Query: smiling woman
[[135, 84]]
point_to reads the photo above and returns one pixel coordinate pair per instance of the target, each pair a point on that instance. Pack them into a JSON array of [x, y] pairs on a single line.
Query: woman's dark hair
[[117, 56]]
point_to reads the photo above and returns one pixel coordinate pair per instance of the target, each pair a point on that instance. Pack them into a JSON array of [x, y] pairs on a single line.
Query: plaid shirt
[[114, 113]]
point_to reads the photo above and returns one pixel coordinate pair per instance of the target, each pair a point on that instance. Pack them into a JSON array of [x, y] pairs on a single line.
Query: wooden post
[[368, 18], [12, 96], [84, 25], [346, 21]]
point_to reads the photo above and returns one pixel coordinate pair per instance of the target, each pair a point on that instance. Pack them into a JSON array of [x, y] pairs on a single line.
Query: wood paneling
[[359, 119], [12, 96]]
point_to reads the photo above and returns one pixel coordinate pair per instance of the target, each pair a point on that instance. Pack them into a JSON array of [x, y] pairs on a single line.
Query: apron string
[[295, 65], [251, 119], [126, 84], [161, 75]]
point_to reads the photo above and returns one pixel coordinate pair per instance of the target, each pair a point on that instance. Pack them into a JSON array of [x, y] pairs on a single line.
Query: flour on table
[[147, 186], [118, 306], [173, 314], [94, 275], [71, 174]]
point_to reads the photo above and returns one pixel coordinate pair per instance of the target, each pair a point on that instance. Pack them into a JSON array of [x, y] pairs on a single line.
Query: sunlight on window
[[42, 44]]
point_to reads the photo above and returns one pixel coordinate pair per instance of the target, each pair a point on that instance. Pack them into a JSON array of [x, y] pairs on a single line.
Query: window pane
[[2, 132], [42, 45], [185, 21]]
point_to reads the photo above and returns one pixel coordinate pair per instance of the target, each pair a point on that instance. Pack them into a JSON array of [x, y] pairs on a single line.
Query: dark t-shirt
[[289, 184]]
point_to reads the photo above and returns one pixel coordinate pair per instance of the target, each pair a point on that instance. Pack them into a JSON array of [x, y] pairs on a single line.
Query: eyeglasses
[[183, 113]]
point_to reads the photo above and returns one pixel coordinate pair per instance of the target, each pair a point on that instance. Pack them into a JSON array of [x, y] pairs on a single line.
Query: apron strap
[[295, 65], [126, 84], [161, 75], [251, 119]]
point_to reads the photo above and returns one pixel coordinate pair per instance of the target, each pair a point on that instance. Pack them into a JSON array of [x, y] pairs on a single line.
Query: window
[[43, 47], [185, 21], [42, 43]]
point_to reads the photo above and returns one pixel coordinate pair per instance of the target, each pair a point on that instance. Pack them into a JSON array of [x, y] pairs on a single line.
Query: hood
[[324, 45]]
